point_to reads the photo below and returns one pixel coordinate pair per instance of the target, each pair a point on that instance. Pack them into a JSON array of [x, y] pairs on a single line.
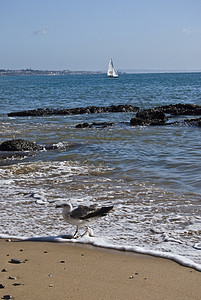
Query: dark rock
[[180, 109], [4, 270], [14, 154], [16, 284], [83, 125], [193, 122], [94, 124], [19, 145], [2, 286], [102, 124], [12, 278], [187, 122], [7, 297], [15, 261], [74, 111], [149, 117], [156, 116]]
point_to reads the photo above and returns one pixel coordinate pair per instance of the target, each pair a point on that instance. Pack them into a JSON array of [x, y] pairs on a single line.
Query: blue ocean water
[[151, 174]]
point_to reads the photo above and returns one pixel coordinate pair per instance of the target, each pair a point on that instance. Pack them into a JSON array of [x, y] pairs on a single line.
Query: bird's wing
[[81, 212], [99, 212]]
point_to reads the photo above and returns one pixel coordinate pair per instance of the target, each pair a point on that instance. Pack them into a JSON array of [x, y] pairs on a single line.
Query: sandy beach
[[70, 271]]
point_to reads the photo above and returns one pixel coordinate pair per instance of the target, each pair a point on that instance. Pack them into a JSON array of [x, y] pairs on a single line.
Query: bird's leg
[[87, 230], [76, 231]]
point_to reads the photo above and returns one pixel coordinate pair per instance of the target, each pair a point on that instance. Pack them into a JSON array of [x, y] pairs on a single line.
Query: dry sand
[[71, 271]]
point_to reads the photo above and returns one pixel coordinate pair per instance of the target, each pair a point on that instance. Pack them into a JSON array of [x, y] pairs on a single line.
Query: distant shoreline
[[31, 72]]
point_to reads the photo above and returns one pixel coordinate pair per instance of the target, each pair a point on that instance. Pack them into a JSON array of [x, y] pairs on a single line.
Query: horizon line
[[104, 71]]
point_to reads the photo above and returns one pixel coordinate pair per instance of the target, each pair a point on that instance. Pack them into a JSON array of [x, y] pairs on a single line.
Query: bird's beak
[[58, 206]]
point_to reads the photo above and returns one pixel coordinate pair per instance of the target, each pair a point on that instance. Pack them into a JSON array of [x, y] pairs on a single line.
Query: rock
[[83, 125], [193, 122], [180, 109], [4, 270], [7, 297], [149, 117], [2, 286], [19, 145], [15, 261], [188, 122], [16, 284], [12, 278], [94, 124], [102, 124], [74, 111], [156, 116]]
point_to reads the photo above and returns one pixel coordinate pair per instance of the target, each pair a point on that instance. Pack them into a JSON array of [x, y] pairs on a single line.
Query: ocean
[[151, 174]]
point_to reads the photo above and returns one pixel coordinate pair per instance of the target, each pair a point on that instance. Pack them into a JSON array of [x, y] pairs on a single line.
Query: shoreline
[[52, 270]]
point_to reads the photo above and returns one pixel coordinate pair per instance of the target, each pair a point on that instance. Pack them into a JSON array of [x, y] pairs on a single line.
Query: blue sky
[[84, 34]]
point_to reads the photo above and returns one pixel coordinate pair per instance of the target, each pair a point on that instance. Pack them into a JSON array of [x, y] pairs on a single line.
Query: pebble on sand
[[4, 270], [15, 261]]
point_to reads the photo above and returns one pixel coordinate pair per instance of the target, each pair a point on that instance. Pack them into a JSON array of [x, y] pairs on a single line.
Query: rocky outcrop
[[158, 115], [19, 145], [74, 111], [188, 122], [193, 122], [95, 124], [180, 109], [149, 117]]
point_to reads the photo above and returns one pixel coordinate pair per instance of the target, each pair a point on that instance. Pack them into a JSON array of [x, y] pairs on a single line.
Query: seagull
[[82, 215]]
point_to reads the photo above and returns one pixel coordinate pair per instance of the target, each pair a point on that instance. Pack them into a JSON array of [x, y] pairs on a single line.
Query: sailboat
[[111, 72]]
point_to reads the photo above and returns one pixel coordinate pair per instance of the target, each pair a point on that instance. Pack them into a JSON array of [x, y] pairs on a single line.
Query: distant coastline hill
[[28, 72]]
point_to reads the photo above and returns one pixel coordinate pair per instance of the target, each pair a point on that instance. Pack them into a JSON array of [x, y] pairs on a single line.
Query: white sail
[[115, 74], [111, 72]]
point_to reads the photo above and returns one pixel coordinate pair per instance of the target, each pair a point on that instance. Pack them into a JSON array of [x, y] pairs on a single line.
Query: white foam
[[142, 216], [101, 242]]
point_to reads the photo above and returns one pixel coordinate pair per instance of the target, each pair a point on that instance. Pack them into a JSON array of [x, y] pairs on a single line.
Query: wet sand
[[72, 271]]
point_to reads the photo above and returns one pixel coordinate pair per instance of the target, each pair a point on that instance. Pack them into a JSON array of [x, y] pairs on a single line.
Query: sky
[[85, 34]]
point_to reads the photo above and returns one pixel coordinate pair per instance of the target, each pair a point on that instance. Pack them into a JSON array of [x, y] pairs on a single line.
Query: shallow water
[[152, 175]]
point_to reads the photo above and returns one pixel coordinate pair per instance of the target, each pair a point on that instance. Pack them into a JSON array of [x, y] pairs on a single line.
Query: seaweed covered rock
[[19, 145], [74, 111], [180, 109], [149, 117], [95, 124]]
